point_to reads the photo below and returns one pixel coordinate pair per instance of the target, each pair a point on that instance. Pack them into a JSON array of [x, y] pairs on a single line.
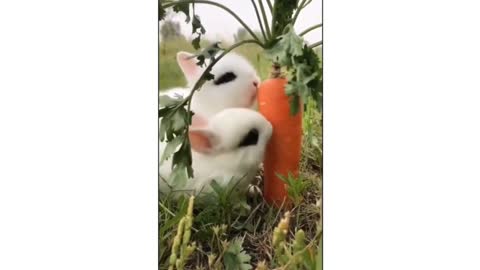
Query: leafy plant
[[295, 187], [295, 254], [218, 243], [224, 205], [235, 258]]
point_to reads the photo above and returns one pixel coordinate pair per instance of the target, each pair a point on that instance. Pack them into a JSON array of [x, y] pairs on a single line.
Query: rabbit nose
[[255, 84]]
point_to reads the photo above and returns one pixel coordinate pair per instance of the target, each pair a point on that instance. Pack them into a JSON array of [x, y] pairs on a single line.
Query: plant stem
[[166, 209], [310, 29], [316, 44], [259, 20], [299, 8], [270, 6], [276, 71], [274, 15], [265, 18], [307, 3], [170, 4]]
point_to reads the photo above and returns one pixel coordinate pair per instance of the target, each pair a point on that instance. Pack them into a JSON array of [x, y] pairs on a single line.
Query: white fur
[[227, 160], [211, 98]]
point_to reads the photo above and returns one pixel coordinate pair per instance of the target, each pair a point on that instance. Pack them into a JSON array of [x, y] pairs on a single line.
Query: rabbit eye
[[250, 139], [225, 78]]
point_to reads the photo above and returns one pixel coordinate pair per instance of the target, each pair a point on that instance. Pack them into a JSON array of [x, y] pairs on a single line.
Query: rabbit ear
[[188, 64], [202, 140]]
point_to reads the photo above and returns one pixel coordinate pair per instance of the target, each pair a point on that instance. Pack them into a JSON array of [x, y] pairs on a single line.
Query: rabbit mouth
[[252, 99]]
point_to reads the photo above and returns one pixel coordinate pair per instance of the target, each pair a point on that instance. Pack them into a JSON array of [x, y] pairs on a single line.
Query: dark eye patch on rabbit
[[250, 139], [225, 78]]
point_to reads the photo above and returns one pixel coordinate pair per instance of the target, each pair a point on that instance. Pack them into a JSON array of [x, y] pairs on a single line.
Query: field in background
[[171, 75], [254, 224]]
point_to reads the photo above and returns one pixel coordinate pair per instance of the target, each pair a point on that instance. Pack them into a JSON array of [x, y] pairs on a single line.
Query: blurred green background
[[171, 75]]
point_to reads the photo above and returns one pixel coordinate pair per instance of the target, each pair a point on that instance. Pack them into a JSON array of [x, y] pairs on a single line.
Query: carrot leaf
[[183, 7], [197, 28], [289, 45], [303, 64], [170, 148], [161, 11]]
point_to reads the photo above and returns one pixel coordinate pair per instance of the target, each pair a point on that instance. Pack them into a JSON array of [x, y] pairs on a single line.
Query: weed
[[295, 187], [181, 248]]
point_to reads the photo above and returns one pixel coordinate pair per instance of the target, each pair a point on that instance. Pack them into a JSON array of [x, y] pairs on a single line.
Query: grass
[[228, 227]]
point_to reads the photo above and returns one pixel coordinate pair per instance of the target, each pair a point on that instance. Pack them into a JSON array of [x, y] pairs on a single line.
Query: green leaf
[[216, 187], [284, 11], [164, 128], [197, 28], [170, 148], [235, 258], [184, 157], [278, 54], [294, 104], [201, 60], [305, 76], [197, 25], [183, 7], [196, 42], [168, 101], [161, 11], [295, 187], [289, 45], [178, 178], [179, 120]]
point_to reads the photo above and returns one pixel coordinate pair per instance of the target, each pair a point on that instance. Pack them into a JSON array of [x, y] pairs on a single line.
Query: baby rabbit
[[234, 85], [229, 144]]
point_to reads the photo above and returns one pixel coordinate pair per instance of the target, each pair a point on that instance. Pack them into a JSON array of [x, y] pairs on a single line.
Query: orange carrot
[[283, 152]]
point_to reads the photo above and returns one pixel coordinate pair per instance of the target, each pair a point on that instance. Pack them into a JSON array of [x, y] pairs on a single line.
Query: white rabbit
[[230, 144], [235, 84]]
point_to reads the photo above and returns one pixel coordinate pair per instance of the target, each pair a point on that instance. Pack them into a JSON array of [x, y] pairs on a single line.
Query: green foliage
[[181, 248], [184, 8], [304, 65], [282, 15], [175, 119], [161, 11], [312, 139], [295, 187], [226, 205], [235, 258], [219, 225], [197, 28], [208, 53], [294, 254]]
